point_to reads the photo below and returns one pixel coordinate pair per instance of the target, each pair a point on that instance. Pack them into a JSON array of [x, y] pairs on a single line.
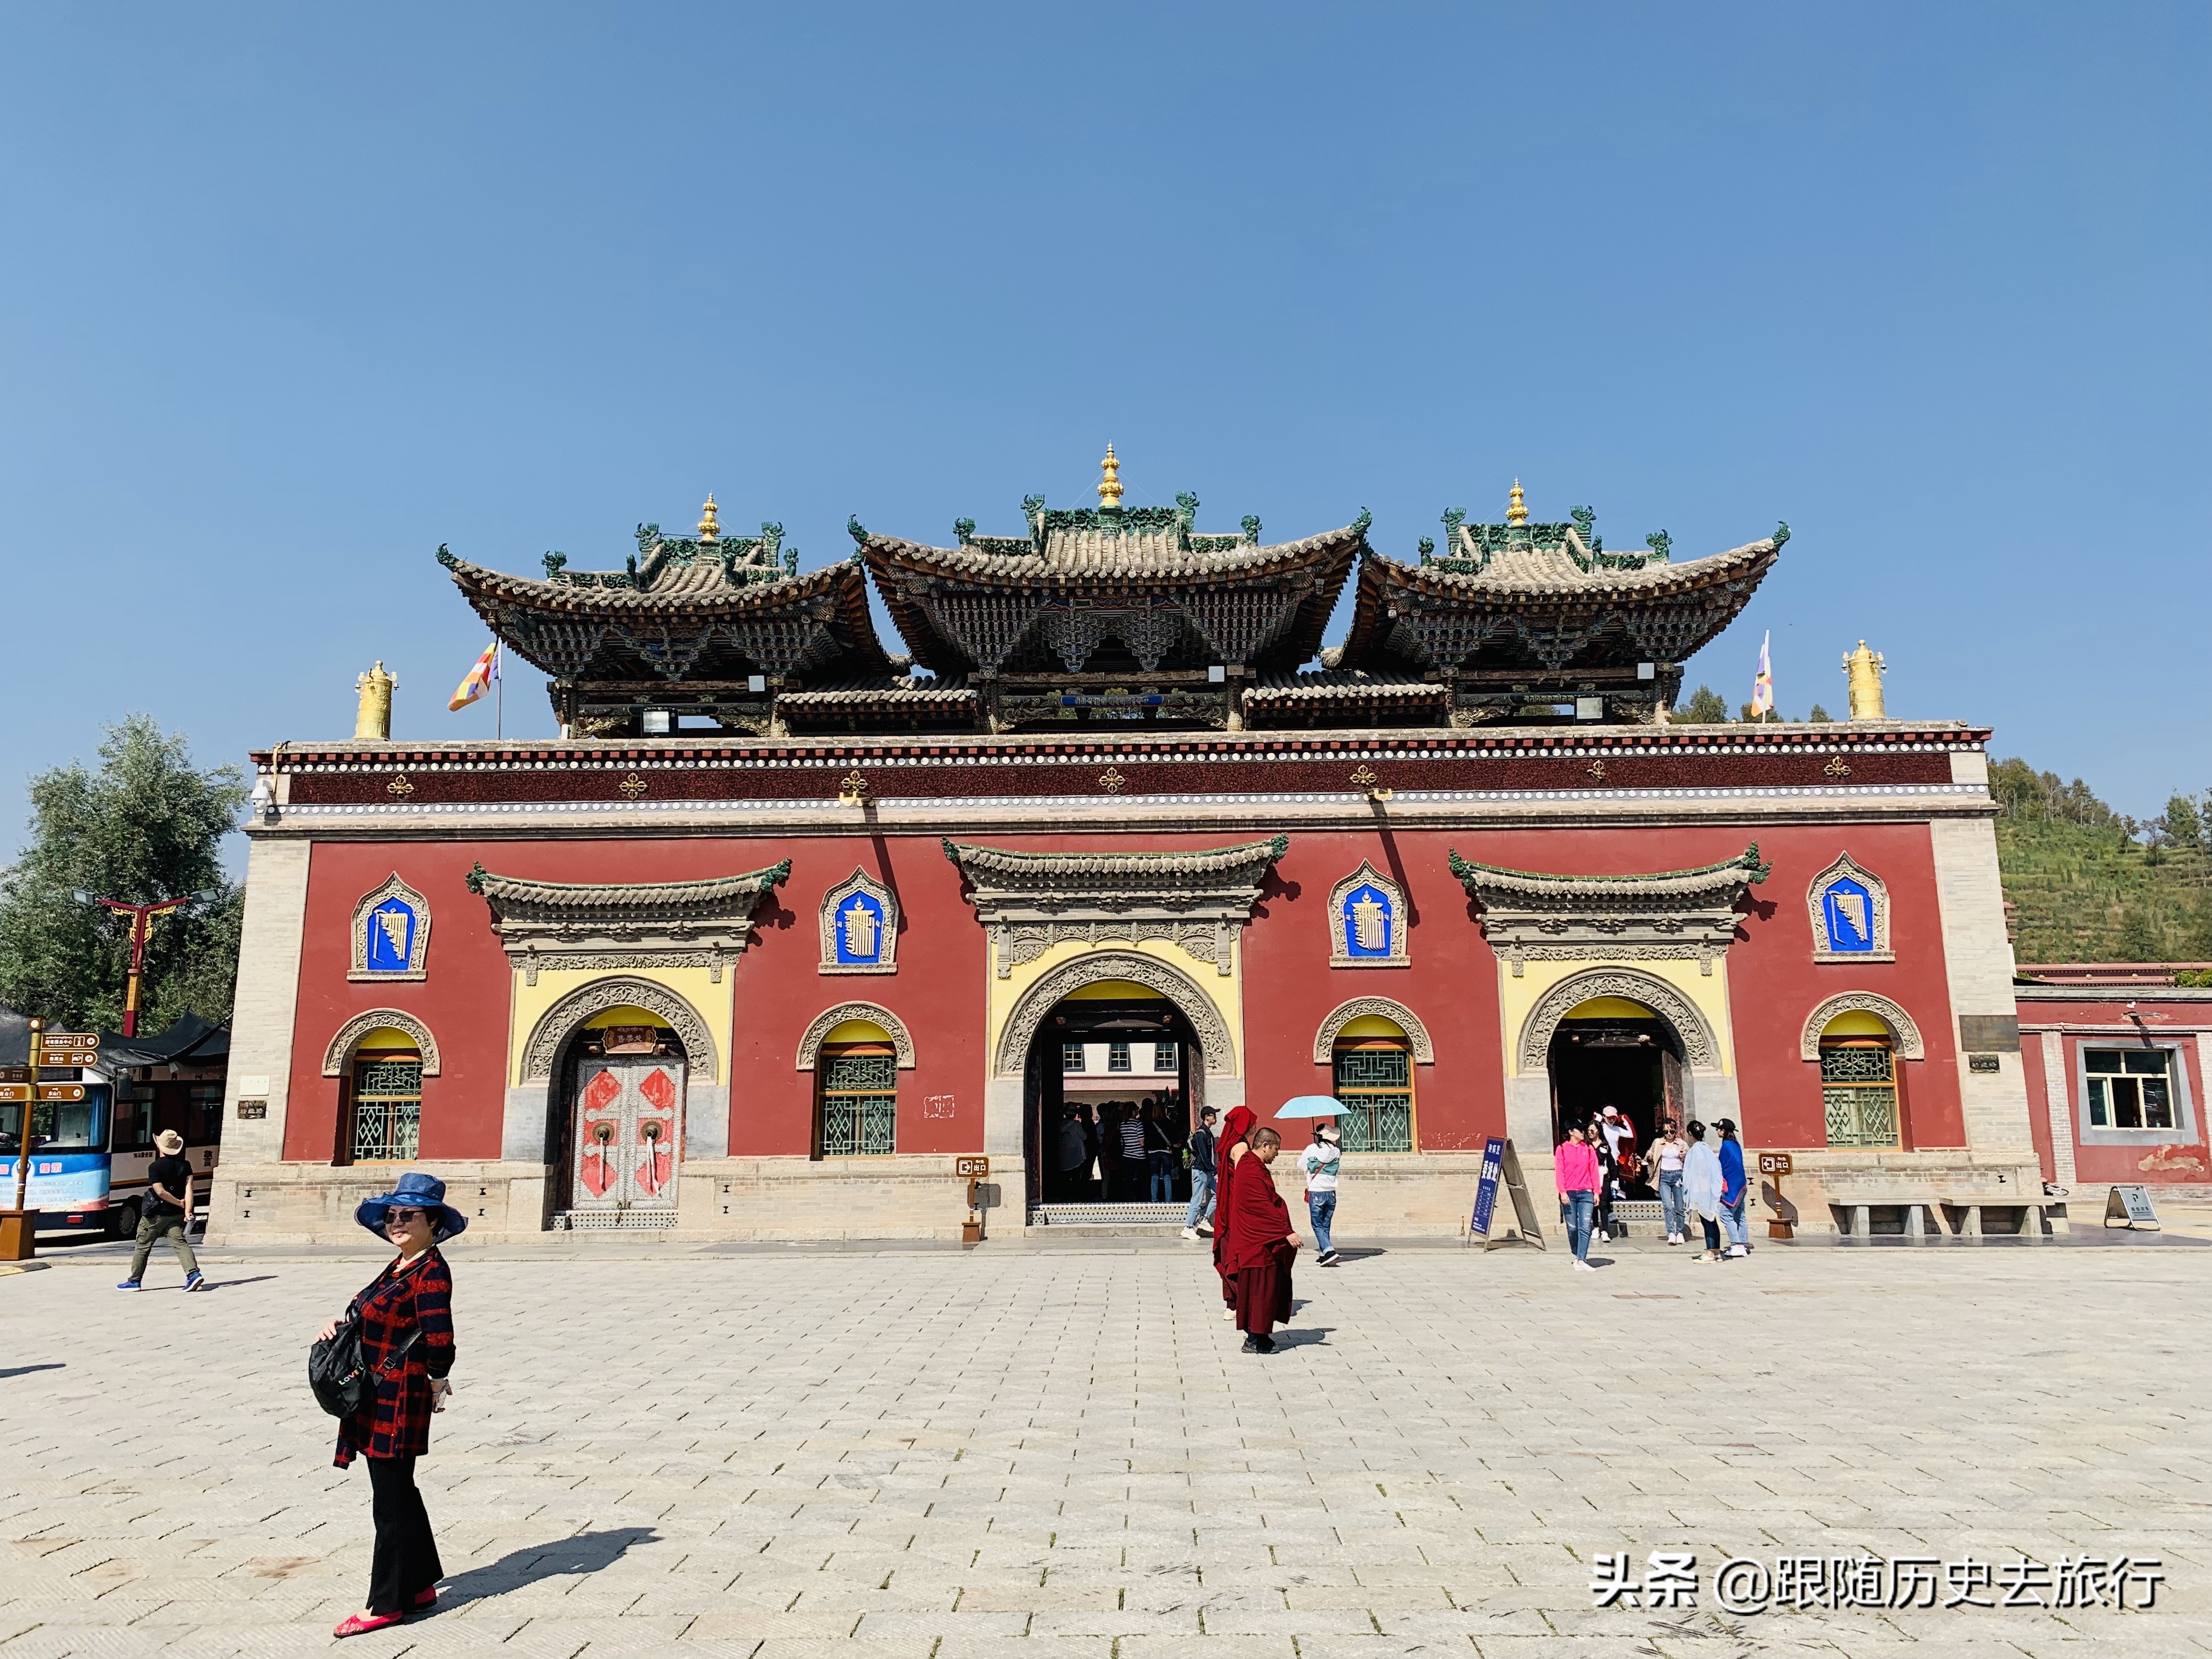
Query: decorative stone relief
[[1849, 905], [1904, 1034], [391, 934], [1367, 921], [810, 1041], [602, 927], [1700, 1051], [1667, 916], [858, 923], [1030, 901], [1149, 971], [561, 1020], [1417, 1035], [340, 1052]]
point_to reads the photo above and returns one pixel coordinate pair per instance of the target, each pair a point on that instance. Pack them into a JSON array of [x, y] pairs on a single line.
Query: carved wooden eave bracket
[[1668, 914], [624, 924], [1030, 901]]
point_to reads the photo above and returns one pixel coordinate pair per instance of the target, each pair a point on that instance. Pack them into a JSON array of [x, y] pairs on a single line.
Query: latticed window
[[1858, 1090], [1163, 1056], [2129, 1087], [1374, 1081], [1071, 1056], [387, 1110], [1117, 1056], [860, 1103]]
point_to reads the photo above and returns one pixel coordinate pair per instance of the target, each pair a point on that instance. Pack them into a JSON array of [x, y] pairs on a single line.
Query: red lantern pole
[[142, 923]]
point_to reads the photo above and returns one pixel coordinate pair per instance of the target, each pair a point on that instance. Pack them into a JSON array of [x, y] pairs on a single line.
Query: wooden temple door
[[628, 1130]]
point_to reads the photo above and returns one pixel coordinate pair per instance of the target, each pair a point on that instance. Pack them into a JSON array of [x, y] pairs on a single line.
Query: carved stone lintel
[[1417, 1034], [339, 1051], [1905, 1034], [1206, 1020], [1700, 1048], [810, 1041], [559, 1022]]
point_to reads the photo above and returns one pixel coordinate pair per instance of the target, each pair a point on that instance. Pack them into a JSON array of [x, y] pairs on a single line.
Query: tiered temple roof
[[1518, 613], [709, 624], [1113, 615]]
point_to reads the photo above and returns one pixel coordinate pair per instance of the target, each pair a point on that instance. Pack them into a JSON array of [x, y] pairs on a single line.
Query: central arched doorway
[[1612, 1051], [1107, 1088], [1092, 1039]]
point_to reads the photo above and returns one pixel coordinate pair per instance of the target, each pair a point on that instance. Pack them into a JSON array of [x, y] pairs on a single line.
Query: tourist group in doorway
[[1598, 1162]]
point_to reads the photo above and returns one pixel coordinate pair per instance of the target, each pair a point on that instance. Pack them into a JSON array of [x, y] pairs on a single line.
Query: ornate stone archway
[[1417, 1035], [559, 1022], [1903, 1032], [810, 1041], [1701, 1050], [339, 1054], [1177, 987]]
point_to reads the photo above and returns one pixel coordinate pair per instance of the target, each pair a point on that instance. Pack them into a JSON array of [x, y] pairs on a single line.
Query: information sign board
[[2130, 1207]]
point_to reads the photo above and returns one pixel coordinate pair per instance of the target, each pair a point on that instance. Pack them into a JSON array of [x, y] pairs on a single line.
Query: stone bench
[[1857, 1206]]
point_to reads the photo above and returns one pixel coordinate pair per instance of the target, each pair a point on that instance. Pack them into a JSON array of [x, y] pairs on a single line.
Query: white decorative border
[[1177, 987], [887, 960], [1877, 895], [1340, 952], [810, 1044], [340, 1052], [418, 951], [1417, 1035], [1903, 1032]]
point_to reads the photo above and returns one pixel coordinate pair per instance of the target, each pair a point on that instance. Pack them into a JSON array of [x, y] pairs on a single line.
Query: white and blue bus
[[90, 1155]]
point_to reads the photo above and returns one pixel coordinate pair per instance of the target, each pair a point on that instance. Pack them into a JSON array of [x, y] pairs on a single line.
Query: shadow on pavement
[[587, 1551], [19, 1370]]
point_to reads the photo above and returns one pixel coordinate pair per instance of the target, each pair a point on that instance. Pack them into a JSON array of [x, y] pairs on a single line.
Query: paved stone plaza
[[928, 1454]]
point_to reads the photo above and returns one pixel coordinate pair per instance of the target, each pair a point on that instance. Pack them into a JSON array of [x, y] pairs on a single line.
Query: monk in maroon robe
[[1261, 1245], [1228, 1152]]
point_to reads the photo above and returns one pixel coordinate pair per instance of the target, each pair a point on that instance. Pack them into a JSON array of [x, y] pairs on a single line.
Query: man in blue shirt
[[1733, 1188], [1201, 1177]]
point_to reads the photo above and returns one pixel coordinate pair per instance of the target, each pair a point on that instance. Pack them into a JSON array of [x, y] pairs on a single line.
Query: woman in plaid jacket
[[407, 1338]]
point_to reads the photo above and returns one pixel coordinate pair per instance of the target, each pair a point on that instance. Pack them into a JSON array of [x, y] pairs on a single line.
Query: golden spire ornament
[[1109, 485], [1865, 669], [372, 721], [708, 529], [1516, 509]]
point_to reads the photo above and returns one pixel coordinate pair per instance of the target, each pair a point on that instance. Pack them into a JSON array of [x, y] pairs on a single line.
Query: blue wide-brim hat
[[414, 1191]]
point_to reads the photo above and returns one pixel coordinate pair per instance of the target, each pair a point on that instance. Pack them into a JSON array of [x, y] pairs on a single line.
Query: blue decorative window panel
[[860, 930], [1367, 918], [391, 934], [1850, 910], [859, 927]]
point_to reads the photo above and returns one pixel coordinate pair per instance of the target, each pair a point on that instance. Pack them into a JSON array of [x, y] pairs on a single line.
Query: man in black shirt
[[166, 1212], [1201, 1177]]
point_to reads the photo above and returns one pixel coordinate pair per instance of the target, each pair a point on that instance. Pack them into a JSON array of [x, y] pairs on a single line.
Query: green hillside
[[2089, 885]]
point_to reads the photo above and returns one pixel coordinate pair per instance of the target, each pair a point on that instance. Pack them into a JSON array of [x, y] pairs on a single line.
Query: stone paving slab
[[1061, 1455]]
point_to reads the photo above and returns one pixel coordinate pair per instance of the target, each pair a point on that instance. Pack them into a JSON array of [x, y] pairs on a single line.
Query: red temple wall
[[2181, 1157], [940, 988]]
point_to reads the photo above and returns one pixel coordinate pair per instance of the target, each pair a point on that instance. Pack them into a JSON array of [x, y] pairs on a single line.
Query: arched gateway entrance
[[1619, 1037], [1096, 1041]]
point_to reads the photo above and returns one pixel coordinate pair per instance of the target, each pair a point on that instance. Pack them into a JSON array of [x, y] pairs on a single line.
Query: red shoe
[[356, 1625], [428, 1598]]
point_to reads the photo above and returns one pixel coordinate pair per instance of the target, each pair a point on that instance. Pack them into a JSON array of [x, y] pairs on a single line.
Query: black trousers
[[406, 1562]]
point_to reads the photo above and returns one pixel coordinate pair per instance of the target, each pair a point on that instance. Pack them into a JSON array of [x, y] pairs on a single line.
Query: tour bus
[[90, 1153]]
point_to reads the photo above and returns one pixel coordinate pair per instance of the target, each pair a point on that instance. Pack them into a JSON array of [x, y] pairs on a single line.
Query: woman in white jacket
[[1701, 1189]]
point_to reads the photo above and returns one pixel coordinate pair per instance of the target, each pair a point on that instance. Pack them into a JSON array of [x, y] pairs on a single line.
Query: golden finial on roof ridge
[[373, 718], [708, 529], [1516, 509], [1109, 485]]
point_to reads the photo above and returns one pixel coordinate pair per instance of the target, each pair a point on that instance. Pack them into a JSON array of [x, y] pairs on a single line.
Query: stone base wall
[[313, 1203], [1822, 1182]]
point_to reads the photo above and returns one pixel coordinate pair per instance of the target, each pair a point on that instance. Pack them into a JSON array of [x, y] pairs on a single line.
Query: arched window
[[1858, 1080], [856, 1098], [1374, 1077], [381, 1110]]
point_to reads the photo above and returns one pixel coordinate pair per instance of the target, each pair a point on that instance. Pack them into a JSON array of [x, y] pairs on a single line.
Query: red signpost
[[142, 922]]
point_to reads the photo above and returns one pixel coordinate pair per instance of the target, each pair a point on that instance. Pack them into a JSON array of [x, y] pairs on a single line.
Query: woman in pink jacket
[[1575, 1169]]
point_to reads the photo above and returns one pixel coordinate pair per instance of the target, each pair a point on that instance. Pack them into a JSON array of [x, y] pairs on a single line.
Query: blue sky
[[290, 295]]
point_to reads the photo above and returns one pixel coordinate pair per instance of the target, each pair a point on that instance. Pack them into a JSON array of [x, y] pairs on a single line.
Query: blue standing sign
[[1485, 1193]]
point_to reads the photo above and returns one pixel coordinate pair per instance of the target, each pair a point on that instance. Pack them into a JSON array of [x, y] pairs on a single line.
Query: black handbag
[[344, 1381]]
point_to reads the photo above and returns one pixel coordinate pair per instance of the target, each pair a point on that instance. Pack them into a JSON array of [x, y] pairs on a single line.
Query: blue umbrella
[[1311, 1106]]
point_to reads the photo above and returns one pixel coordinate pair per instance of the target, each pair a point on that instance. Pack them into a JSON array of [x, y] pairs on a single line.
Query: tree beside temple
[[148, 825]]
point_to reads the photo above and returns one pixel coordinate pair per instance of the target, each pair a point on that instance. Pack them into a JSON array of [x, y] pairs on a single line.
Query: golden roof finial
[[1109, 486], [373, 718], [708, 529], [1517, 510], [1864, 669]]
